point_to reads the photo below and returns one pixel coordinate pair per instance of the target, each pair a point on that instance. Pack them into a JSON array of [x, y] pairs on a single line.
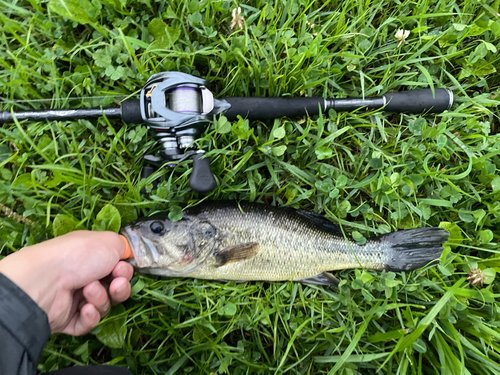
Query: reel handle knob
[[147, 171], [202, 180]]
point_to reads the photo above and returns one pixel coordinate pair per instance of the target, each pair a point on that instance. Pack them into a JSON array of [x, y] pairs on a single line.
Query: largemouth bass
[[227, 240]]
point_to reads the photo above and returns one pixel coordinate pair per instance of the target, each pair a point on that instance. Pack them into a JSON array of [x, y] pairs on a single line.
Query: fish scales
[[290, 246], [227, 240]]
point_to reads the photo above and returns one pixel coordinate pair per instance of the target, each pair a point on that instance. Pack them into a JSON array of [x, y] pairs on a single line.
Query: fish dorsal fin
[[325, 278], [322, 222], [235, 253]]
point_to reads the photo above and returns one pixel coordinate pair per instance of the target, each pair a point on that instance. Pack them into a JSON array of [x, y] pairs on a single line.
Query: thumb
[[87, 256]]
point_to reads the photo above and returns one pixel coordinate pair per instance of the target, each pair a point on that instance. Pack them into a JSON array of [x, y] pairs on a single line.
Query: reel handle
[[202, 179]]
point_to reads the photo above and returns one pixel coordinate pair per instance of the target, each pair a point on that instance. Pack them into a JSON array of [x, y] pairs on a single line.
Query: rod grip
[[259, 108], [131, 111], [419, 101]]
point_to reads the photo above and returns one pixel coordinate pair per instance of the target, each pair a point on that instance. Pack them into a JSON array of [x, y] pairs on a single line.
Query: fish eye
[[157, 227]]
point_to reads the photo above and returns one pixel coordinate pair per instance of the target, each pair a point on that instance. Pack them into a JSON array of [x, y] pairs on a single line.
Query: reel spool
[[177, 108]]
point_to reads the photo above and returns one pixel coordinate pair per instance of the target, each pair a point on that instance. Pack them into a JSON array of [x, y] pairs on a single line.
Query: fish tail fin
[[414, 248]]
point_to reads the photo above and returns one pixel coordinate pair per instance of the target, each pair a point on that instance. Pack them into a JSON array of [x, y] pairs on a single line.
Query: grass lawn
[[372, 171]]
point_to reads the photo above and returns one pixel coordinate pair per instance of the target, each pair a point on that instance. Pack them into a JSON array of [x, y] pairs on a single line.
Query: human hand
[[74, 278]]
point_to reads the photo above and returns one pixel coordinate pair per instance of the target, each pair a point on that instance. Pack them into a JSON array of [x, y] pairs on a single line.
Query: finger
[[83, 322], [93, 255], [123, 269], [96, 294], [59, 320], [119, 290]]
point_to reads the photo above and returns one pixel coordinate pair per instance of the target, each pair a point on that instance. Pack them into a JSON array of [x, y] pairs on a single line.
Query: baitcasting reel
[[178, 107]]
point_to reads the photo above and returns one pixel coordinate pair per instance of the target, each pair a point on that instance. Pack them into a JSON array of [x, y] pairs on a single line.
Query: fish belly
[[277, 262]]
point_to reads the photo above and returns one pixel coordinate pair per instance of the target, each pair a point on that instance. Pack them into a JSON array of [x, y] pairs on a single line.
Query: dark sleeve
[[24, 330]]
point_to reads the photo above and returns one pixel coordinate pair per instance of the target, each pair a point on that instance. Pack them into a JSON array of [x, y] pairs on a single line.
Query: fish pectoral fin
[[325, 278], [235, 253]]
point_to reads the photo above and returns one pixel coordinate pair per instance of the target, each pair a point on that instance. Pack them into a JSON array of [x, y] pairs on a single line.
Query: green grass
[[373, 172]]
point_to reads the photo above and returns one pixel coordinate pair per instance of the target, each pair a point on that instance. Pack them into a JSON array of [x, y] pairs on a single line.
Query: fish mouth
[[152, 248], [135, 244]]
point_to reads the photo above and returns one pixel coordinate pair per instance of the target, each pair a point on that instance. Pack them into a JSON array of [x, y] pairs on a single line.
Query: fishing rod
[[177, 108]]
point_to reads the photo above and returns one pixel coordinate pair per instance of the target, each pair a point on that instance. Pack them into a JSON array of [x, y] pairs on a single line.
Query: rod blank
[[261, 108], [61, 114]]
